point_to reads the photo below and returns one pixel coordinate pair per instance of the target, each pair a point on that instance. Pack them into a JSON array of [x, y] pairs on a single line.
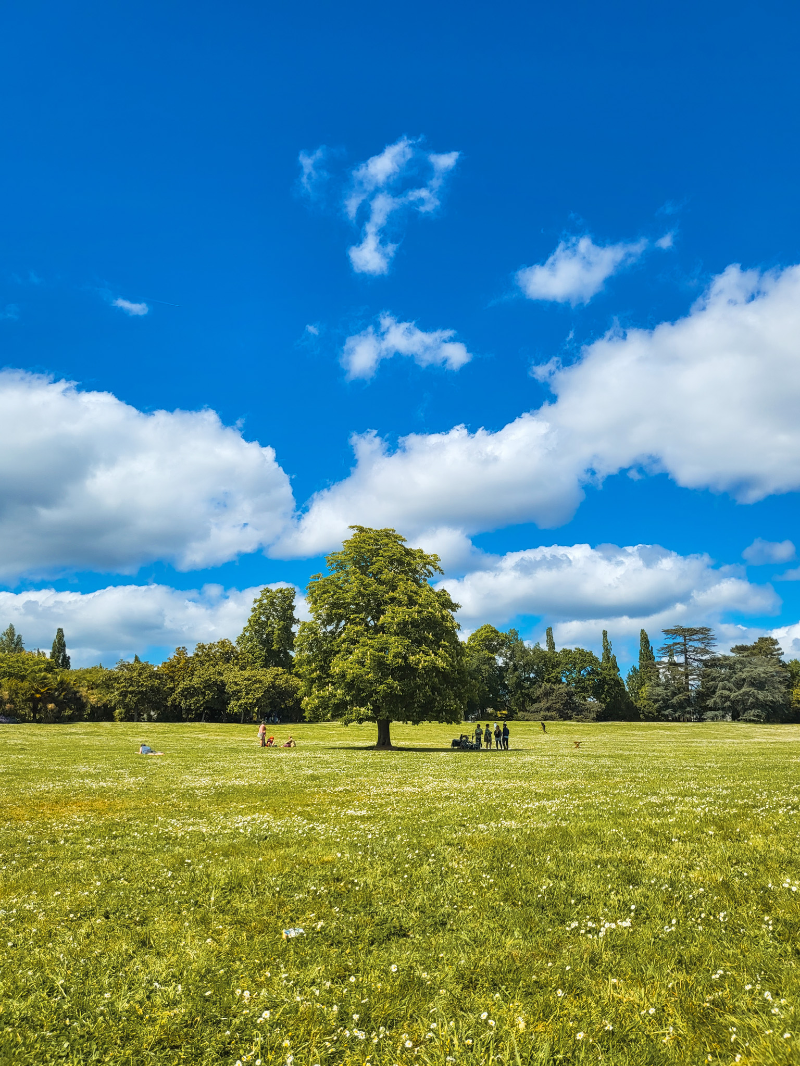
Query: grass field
[[634, 900]]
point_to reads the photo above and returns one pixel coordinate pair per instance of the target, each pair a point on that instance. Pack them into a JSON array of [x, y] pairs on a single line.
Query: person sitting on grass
[[290, 743], [270, 742], [145, 749]]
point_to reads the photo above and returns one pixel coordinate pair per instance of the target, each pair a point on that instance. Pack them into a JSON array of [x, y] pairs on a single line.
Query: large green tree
[[690, 648], [58, 653], [748, 688], [197, 684], [262, 693], [139, 691], [268, 638], [486, 657], [382, 644]]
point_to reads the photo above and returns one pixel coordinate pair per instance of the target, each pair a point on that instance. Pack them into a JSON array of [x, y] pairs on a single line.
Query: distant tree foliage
[[268, 638], [383, 646], [11, 642], [58, 653], [33, 689], [609, 691], [748, 688], [689, 649]]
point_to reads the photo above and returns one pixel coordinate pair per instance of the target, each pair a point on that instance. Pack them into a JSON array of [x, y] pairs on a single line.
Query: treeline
[[253, 678], [511, 679], [686, 680], [225, 681]]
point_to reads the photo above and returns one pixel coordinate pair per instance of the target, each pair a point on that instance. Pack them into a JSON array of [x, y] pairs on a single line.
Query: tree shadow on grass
[[421, 751]]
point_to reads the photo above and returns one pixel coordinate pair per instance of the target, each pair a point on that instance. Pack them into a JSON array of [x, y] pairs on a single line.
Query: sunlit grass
[[633, 900]]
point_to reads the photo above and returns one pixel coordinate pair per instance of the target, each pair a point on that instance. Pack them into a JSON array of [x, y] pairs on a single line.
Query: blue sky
[[608, 193]]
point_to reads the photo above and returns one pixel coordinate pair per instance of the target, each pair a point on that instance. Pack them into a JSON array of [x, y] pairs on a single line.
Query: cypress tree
[[58, 653], [606, 648], [647, 658], [551, 644], [613, 694]]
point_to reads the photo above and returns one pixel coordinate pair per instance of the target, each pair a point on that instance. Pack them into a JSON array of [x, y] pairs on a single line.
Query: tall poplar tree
[[610, 690], [58, 653], [642, 678]]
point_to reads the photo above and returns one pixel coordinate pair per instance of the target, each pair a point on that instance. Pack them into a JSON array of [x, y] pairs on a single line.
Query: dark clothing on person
[[505, 736], [487, 737], [498, 737]]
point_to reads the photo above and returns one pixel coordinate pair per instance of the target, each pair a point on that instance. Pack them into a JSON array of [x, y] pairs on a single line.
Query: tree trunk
[[384, 740]]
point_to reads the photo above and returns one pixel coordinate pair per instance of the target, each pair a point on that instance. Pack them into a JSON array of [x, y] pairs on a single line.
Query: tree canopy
[[11, 641], [382, 644], [268, 638]]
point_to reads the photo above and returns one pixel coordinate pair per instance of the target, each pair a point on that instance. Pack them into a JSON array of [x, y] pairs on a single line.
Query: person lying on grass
[[290, 743], [144, 749]]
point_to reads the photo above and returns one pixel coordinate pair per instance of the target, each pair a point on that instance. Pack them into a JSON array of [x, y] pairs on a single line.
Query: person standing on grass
[[544, 728], [498, 736], [487, 737], [505, 736], [262, 734], [478, 734]]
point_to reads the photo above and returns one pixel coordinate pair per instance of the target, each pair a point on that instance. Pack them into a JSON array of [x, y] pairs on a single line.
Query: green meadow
[[630, 900]]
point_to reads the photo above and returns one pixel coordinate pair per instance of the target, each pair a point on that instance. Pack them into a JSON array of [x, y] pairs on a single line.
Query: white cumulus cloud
[[761, 552], [363, 352], [130, 308], [457, 480], [577, 270], [402, 179], [123, 620], [582, 589], [89, 482], [789, 639], [710, 399]]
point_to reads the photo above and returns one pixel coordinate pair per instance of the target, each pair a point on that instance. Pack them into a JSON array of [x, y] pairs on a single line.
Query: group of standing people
[[486, 735]]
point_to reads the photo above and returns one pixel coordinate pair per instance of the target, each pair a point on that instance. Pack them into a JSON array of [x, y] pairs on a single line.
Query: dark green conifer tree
[[58, 652], [642, 678], [551, 644], [611, 692]]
